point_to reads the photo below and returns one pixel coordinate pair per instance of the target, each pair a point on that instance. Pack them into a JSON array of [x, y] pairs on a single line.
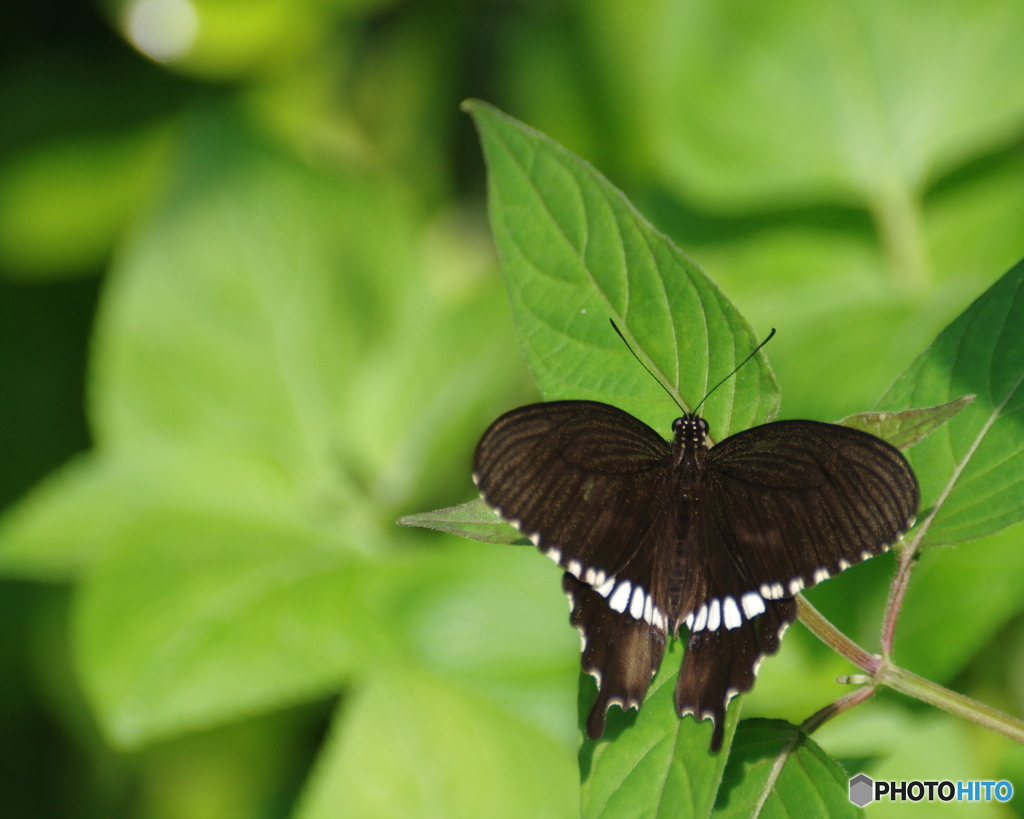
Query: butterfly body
[[655, 535]]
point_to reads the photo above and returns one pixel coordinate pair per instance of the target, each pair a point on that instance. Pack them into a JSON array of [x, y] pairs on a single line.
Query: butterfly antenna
[[730, 375], [675, 400]]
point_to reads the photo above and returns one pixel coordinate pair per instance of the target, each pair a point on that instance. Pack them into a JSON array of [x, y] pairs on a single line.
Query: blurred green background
[[250, 313]]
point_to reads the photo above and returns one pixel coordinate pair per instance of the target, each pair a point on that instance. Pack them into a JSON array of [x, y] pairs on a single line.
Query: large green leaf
[[76, 515], [414, 746], [741, 103], [495, 621], [972, 469], [273, 375], [197, 620], [776, 771], [232, 319], [575, 254]]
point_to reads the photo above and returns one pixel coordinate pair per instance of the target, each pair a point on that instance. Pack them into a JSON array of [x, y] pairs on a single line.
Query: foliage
[[269, 245], [542, 197]]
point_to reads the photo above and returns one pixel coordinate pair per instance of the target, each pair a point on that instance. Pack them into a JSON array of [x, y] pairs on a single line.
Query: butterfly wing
[[796, 502], [722, 663], [586, 482], [620, 652], [782, 507]]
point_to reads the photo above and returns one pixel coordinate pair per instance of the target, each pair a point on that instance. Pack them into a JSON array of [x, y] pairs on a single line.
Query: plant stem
[[844, 703], [897, 214], [884, 672], [897, 590], [821, 628], [906, 682]]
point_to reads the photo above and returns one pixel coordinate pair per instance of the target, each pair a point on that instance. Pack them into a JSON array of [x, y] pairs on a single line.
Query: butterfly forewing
[[796, 502], [586, 482]]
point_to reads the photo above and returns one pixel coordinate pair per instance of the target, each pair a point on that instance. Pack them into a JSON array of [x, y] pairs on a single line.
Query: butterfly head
[[690, 430]]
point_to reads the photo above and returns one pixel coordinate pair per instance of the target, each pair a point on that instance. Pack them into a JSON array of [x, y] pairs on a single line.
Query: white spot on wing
[[606, 588], [795, 585], [636, 605], [821, 575], [843, 565], [777, 591], [731, 613], [619, 600], [689, 621], [701, 619], [753, 604], [575, 568], [535, 538], [590, 577], [648, 609], [554, 554], [714, 615]]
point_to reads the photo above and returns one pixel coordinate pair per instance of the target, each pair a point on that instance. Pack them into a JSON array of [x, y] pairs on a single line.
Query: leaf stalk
[[883, 671]]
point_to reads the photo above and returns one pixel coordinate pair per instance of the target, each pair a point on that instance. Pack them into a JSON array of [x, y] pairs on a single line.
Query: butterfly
[[654, 535]]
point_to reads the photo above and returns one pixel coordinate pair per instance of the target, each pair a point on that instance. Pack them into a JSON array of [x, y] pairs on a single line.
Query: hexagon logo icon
[[862, 790]]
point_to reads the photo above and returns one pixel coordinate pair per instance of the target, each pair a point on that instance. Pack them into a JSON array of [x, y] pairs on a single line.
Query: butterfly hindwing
[[621, 653], [722, 663]]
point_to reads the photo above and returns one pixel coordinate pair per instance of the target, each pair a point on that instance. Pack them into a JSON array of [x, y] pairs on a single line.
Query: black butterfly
[[654, 534]]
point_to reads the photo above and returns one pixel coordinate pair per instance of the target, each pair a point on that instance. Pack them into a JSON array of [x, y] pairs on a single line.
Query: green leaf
[[228, 322], [775, 770], [474, 520], [63, 523], [908, 427], [971, 470], [741, 104], [45, 232], [271, 374], [198, 620], [407, 744], [575, 253], [76, 515], [971, 224], [652, 763], [494, 620]]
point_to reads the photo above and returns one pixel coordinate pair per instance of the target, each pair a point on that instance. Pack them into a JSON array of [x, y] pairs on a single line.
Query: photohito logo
[[864, 790]]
